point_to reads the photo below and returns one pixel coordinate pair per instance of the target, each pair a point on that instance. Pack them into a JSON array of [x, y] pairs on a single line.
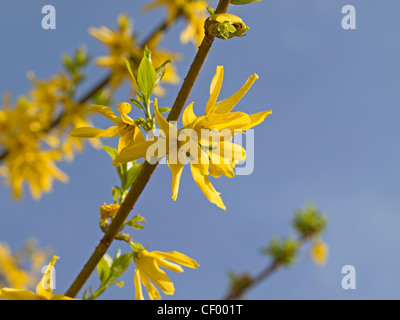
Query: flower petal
[[176, 170], [58, 296], [124, 108], [151, 289], [169, 265], [230, 121], [215, 89], [138, 286], [108, 113], [177, 257], [18, 294], [87, 132], [148, 266], [166, 127], [205, 185], [228, 104], [45, 285], [134, 152], [188, 117], [257, 118]]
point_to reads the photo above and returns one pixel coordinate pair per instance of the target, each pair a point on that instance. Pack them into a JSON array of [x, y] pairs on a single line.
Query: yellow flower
[[319, 253], [206, 158], [25, 162], [44, 288], [194, 11], [108, 211], [122, 46], [125, 127], [148, 268], [10, 271]]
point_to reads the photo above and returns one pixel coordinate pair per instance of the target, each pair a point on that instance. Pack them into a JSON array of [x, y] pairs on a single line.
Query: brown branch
[[147, 169]]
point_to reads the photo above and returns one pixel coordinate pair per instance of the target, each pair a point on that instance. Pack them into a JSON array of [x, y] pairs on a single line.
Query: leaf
[[243, 1], [117, 193], [112, 152], [137, 104], [119, 265], [146, 78], [103, 268], [211, 11], [164, 109], [160, 71], [134, 222], [130, 176], [130, 70]]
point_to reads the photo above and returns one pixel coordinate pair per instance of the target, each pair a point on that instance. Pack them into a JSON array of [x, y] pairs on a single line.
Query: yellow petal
[[228, 104], [18, 294], [230, 121], [151, 289], [134, 152], [257, 118], [147, 265], [138, 286], [166, 127], [177, 257], [124, 108], [169, 265], [108, 113], [205, 185], [58, 296], [188, 117], [87, 132], [45, 285], [176, 170], [215, 88]]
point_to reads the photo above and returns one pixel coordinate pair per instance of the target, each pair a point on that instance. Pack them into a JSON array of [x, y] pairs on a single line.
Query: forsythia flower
[[10, 271], [27, 163], [195, 12], [108, 211], [44, 288], [126, 128], [122, 46], [205, 158], [319, 253], [148, 268]]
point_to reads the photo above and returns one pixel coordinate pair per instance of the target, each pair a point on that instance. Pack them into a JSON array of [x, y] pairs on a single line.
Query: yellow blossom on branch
[[148, 268], [123, 46], [108, 211], [44, 289], [194, 11], [25, 162], [125, 127], [215, 158], [10, 271]]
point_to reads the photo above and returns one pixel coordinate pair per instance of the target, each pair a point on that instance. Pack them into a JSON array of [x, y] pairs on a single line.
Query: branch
[[147, 169], [238, 293]]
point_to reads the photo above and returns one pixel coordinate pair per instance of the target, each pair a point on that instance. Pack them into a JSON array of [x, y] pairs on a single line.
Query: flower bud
[[108, 211], [225, 26]]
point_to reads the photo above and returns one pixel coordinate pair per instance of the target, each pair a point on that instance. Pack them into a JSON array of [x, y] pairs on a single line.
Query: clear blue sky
[[332, 140]]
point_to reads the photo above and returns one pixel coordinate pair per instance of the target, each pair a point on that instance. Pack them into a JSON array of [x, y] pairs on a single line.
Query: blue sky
[[331, 141]]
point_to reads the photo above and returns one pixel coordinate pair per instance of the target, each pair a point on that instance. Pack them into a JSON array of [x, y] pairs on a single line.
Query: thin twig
[[147, 169]]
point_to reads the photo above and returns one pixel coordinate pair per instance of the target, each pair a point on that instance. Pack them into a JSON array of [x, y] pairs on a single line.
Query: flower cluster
[[194, 12], [122, 46]]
